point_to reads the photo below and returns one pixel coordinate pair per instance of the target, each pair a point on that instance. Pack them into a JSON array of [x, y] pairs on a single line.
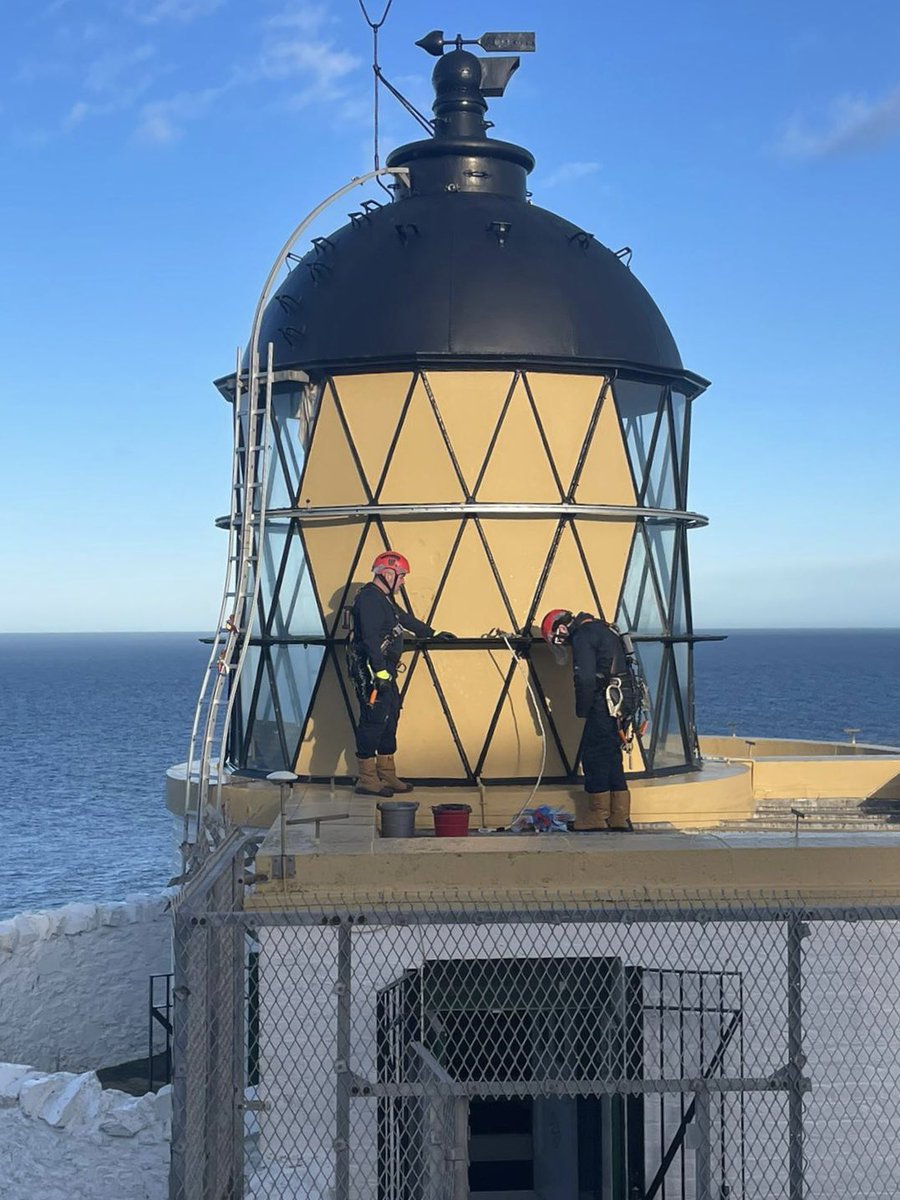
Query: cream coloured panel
[[567, 583], [516, 746], [362, 572], [471, 681], [471, 603], [558, 689], [330, 476], [470, 403], [519, 469], [520, 547], [328, 747], [372, 405], [606, 477], [425, 745], [565, 404], [427, 545], [331, 549], [420, 470], [606, 546]]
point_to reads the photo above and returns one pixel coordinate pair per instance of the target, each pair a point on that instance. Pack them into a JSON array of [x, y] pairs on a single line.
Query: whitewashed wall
[[73, 982], [62, 1137]]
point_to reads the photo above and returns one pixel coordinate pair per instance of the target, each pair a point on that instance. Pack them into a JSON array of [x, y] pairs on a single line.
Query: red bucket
[[451, 820]]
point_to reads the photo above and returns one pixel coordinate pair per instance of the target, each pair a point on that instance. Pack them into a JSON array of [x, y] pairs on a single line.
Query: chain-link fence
[[517, 1048]]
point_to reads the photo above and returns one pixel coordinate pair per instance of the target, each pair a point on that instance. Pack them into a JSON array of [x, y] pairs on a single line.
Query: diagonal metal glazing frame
[[435, 408], [492, 727], [604, 393], [350, 442], [516, 376], [587, 569], [543, 437], [571, 768], [392, 446]]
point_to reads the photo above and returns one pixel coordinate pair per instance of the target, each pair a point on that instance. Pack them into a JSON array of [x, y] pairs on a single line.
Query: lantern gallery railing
[[612, 512]]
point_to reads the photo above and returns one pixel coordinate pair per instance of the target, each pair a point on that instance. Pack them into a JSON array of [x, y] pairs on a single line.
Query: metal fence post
[[703, 1145], [343, 990], [190, 1066], [797, 930]]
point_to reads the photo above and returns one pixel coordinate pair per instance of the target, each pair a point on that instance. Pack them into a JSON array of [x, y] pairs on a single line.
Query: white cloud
[[570, 172], [162, 121], [153, 12], [851, 125], [105, 73]]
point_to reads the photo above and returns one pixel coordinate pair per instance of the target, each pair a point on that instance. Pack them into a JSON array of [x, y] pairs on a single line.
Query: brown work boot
[[368, 783], [387, 773], [591, 812], [620, 812]]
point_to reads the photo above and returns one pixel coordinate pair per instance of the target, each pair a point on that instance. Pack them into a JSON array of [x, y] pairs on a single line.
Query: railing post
[[797, 930], [343, 990]]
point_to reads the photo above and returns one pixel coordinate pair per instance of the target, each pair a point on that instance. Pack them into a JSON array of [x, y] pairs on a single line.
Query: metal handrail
[[227, 661]]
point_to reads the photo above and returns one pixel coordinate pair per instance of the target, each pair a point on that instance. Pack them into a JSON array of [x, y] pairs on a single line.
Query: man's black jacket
[[596, 655], [378, 625]]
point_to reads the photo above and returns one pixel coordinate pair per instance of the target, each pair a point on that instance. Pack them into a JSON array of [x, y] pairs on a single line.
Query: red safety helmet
[[390, 561], [553, 618]]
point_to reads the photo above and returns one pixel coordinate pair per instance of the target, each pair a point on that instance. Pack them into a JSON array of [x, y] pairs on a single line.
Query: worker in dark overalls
[[376, 646], [597, 657]]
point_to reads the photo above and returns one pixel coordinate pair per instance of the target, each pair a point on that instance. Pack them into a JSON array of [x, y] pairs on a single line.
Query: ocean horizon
[[92, 721]]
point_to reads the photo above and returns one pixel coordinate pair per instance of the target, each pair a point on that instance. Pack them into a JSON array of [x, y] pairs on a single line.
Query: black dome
[[464, 277], [461, 268]]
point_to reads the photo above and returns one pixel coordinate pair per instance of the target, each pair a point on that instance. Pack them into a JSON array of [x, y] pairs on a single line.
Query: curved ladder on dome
[[218, 690]]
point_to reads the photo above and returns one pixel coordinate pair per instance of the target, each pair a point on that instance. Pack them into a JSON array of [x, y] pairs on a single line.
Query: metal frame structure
[[664, 588], [706, 1082]]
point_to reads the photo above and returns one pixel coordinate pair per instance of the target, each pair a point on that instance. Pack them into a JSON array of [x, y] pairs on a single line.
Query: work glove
[[383, 680], [443, 636]]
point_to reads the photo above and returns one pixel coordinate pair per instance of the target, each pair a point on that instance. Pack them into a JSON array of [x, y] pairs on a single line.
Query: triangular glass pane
[[681, 415], [286, 454], [650, 657], [669, 748], [270, 559], [332, 548], [265, 751], [420, 469], [555, 682], [328, 743], [638, 405], [471, 681], [471, 603], [662, 549], [296, 670], [683, 654], [567, 584], [519, 467], [639, 610], [660, 480], [679, 608], [565, 405], [331, 476], [516, 746], [429, 750], [519, 548], [605, 477], [470, 403], [296, 610], [606, 546], [246, 686], [372, 405]]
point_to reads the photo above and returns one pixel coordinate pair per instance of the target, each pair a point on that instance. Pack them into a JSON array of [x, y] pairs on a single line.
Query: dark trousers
[[601, 752], [376, 732]]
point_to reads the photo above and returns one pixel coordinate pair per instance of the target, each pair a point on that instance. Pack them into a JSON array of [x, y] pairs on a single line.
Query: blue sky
[[155, 153]]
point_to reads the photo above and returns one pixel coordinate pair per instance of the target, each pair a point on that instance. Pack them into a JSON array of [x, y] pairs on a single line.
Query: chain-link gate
[[519, 1049]]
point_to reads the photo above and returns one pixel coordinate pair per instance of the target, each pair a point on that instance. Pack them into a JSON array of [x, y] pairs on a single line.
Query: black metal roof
[[459, 267]]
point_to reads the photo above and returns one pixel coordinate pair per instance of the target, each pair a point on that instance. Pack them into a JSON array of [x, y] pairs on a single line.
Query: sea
[[89, 723]]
